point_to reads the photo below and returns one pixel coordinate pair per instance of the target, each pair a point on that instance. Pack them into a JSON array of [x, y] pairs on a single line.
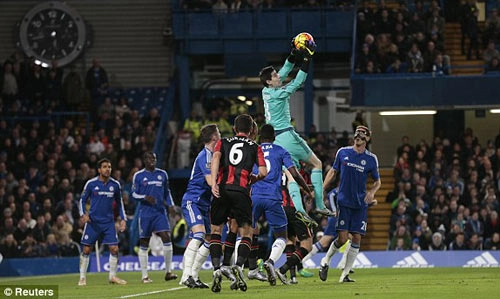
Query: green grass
[[471, 283]]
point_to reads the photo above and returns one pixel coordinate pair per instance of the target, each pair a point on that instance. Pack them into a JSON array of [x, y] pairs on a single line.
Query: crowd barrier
[[368, 259]]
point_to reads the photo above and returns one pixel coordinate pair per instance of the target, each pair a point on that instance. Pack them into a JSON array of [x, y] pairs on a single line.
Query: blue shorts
[[273, 210], [352, 220], [331, 228], [153, 223], [93, 230], [295, 145], [196, 215]]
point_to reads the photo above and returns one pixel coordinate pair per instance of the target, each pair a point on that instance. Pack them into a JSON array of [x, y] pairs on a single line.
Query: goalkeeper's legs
[[317, 182], [294, 190]]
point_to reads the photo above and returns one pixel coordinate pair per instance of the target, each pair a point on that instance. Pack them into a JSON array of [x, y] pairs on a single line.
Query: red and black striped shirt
[[238, 156], [287, 199]]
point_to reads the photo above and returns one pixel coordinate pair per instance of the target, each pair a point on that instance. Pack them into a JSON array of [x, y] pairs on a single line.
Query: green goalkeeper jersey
[[277, 100]]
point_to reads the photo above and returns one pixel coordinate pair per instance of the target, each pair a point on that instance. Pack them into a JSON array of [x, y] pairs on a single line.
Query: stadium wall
[[368, 259]]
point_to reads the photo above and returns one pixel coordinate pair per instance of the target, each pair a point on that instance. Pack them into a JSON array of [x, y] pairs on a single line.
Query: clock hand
[[38, 37]]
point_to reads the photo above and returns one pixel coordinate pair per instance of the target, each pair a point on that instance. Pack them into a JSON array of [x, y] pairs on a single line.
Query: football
[[303, 41]]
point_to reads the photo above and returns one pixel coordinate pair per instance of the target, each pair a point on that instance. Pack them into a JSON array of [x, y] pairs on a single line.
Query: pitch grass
[[470, 283]]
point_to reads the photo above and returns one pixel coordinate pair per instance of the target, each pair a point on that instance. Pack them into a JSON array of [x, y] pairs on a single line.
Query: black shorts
[[296, 228], [234, 204]]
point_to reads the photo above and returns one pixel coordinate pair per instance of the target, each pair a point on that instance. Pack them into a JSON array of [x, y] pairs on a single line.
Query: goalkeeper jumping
[[276, 98]]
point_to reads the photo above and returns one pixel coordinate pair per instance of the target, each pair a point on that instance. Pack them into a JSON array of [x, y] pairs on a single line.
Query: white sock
[[143, 261], [277, 249], [167, 256], [113, 265], [189, 256], [201, 257], [351, 257], [84, 264], [311, 253], [344, 256], [234, 258], [328, 256]]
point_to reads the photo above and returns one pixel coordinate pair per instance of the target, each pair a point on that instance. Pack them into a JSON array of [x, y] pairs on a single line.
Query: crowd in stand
[[45, 161], [446, 195], [401, 40]]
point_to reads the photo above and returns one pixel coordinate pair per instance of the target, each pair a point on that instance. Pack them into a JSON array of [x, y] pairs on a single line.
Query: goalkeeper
[[276, 98]]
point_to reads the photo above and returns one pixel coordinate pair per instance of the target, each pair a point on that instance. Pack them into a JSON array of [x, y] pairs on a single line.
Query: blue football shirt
[[102, 195], [198, 190], [353, 168], [153, 183], [276, 157]]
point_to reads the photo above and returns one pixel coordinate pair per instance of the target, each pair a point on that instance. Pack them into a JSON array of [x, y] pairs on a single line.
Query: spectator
[[490, 52], [73, 89], [475, 242], [493, 66], [9, 88], [429, 57], [29, 247], [51, 246], [364, 27], [219, 7], [41, 230], [473, 34], [383, 23], [401, 239], [60, 228], [435, 23], [416, 25], [96, 146], [493, 243], [396, 67], [458, 243], [68, 247], [9, 247], [238, 5], [474, 226], [96, 83], [437, 242], [492, 27], [193, 125], [363, 58], [35, 85], [415, 60], [22, 230]]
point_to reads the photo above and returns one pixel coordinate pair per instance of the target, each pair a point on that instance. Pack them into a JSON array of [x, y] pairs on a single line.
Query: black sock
[[296, 257], [252, 257], [216, 250], [243, 251], [229, 248]]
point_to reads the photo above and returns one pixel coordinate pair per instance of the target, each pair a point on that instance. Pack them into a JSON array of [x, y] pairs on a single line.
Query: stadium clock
[[52, 31]]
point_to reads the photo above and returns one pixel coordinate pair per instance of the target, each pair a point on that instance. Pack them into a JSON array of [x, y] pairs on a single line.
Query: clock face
[[52, 31]]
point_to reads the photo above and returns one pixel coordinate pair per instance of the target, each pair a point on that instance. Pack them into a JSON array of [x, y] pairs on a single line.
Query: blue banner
[[368, 259]]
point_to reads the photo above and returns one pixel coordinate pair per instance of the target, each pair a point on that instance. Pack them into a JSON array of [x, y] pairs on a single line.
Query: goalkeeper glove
[[295, 54], [305, 63]]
